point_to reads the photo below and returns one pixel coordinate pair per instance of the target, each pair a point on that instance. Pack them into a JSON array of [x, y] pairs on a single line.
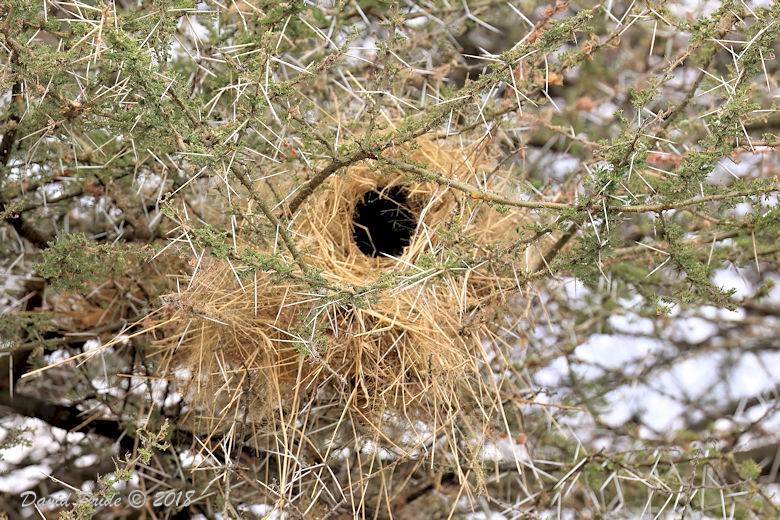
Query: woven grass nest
[[403, 344]]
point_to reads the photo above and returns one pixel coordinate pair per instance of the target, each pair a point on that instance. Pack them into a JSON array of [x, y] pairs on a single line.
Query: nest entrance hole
[[383, 223]]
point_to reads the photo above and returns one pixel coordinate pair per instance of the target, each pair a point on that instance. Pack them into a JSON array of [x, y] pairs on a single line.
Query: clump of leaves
[[107, 490], [74, 262], [14, 437]]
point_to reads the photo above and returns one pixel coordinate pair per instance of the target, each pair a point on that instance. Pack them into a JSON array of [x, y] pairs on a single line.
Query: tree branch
[[23, 228], [266, 209], [67, 417], [477, 193], [657, 208]]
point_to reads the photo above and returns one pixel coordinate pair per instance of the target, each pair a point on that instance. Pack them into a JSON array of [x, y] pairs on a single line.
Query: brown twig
[[268, 212], [479, 194], [664, 206]]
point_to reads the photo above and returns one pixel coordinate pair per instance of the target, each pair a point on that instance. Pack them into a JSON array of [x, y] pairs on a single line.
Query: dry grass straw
[[408, 354]]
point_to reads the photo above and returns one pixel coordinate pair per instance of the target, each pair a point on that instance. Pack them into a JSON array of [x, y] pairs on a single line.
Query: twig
[[23, 228], [308, 188], [266, 209], [657, 208], [556, 248], [476, 193]]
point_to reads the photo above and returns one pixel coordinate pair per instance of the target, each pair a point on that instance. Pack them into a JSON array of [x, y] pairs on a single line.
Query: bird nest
[[394, 332]]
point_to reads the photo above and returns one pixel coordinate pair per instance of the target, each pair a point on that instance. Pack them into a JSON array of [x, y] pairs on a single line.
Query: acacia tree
[[634, 146]]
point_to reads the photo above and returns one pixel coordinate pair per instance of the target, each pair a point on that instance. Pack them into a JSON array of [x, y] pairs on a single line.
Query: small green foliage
[[216, 241], [586, 258], [151, 441], [14, 437], [21, 326], [84, 508], [640, 98], [76, 263], [697, 273], [748, 469], [606, 180]]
